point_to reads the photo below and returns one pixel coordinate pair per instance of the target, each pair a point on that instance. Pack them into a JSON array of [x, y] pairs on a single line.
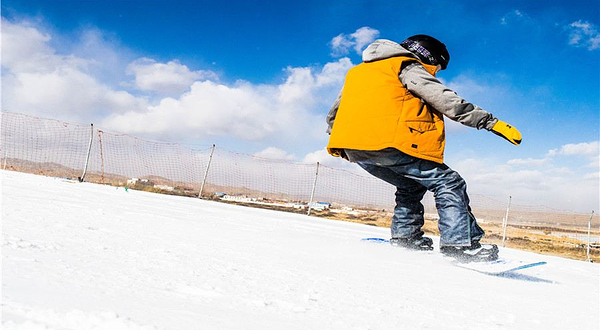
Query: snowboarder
[[389, 119]]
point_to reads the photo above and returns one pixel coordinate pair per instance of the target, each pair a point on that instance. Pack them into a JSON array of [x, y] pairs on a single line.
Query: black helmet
[[428, 49]]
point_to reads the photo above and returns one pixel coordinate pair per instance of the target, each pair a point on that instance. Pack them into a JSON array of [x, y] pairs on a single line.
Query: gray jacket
[[421, 83]]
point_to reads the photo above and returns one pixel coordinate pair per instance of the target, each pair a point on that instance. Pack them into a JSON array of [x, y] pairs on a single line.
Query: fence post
[[212, 150], [3, 145], [87, 158], [505, 222], [312, 193], [4, 160], [588, 238]]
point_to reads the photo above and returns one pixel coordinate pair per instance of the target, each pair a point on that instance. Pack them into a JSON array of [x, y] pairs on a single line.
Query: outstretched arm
[[443, 99], [424, 85]]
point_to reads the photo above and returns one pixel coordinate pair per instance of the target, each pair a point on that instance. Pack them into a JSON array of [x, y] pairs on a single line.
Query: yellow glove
[[507, 132]]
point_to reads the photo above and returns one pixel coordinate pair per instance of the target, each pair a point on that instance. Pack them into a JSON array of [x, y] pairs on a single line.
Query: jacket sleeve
[[332, 113], [424, 85]]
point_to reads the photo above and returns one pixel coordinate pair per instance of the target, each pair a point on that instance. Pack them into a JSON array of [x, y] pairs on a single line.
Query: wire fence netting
[[56, 148]]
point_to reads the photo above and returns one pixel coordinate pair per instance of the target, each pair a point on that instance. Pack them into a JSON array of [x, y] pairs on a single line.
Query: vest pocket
[[421, 126]]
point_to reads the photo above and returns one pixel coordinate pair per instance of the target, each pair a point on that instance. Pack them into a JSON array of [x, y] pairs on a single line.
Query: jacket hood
[[381, 49]]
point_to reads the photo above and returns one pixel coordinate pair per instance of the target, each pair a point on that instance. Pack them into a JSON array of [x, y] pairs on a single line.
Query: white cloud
[[560, 171], [274, 153], [341, 44], [540, 180], [165, 78], [26, 49], [243, 110], [588, 149], [545, 185], [362, 37], [584, 34], [594, 162], [593, 175], [208, 109], [528, 162], [323, 157], [516, 16], [35, 79], [106, 58], [333, 73], [66, 91]]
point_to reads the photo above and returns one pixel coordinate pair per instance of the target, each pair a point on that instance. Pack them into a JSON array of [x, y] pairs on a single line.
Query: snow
[[87, 256]]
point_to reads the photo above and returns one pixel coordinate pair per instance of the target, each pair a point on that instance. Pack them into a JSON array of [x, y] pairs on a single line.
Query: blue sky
[[259, 76]]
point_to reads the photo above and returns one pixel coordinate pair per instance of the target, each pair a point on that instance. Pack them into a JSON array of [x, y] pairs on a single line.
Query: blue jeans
[[412, 177]]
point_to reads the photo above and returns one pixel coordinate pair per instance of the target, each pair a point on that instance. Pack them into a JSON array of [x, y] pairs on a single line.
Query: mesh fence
[[244, 175], [43, 146], [55, 148], [118, 158]]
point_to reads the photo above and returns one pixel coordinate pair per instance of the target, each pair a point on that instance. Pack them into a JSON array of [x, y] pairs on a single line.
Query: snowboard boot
[[414, 243], [475, 253]]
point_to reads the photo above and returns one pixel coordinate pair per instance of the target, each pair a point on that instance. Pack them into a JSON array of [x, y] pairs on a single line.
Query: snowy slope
[[85, 256]]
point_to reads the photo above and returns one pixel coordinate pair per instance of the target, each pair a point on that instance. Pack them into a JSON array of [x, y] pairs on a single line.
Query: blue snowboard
[[500, 266]]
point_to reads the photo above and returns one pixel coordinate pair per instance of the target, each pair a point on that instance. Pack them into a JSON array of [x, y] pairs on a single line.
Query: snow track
[[85, 256]]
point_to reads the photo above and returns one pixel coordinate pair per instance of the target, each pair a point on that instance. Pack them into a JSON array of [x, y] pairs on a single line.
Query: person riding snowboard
[[389, 119]]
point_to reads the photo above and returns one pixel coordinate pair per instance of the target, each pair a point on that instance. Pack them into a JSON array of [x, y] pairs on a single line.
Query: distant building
[[164, 187], [239, 199], [137, 181], [132, 181], [320, 206]]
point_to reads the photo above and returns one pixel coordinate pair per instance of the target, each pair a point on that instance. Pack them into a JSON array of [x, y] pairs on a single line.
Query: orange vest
[[376, 112]]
